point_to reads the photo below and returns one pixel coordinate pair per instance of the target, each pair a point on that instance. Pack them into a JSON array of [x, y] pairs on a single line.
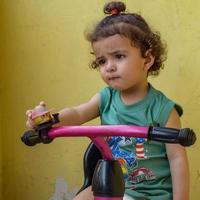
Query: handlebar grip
[[31, 138], [185, 137]]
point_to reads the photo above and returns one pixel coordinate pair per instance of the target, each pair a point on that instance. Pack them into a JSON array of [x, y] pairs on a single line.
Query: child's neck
[[134, 94]]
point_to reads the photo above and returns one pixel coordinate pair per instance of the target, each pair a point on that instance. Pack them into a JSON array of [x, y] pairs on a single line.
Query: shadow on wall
[[61, 191]]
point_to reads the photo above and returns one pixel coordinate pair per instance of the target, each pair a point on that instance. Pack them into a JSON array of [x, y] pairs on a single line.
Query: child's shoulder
[[161, 98], [162, 106]]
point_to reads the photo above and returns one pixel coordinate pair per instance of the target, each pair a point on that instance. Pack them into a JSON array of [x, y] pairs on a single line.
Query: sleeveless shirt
[[144, 163]]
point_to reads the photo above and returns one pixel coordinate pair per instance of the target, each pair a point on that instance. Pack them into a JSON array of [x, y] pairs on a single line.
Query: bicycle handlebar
[[185, 137]]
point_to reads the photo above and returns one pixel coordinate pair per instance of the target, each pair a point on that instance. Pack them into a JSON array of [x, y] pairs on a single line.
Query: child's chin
[[116, 87]]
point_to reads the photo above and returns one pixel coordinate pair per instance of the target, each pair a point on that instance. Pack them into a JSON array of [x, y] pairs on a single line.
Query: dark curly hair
[[132, 26]]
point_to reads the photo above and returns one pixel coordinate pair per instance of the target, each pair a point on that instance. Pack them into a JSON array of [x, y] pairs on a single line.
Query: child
[[126, 51]]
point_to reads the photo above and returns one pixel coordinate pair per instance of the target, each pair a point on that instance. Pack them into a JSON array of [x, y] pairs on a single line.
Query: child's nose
[[110, 67]]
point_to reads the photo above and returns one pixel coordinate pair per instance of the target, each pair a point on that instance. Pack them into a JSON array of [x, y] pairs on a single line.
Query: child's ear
[[149, 60]]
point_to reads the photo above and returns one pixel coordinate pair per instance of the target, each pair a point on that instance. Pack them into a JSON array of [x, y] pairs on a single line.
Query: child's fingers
[[28, 112], [35, 111], [29, 124]]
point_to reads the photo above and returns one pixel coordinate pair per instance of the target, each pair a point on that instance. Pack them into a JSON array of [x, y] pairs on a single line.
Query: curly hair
[[132, 26]]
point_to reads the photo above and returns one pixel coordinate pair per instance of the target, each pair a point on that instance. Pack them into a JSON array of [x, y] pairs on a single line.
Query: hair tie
[[114, 11]]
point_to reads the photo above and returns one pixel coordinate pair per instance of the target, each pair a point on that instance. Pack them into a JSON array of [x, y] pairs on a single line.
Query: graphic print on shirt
[[141, 174], [129, 160], [139, 148], [126, 158]]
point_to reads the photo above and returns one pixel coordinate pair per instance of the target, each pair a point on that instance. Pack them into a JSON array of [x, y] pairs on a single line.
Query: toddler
[[126, 52]]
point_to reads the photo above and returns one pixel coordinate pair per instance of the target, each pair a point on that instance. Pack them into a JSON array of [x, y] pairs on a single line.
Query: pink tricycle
[[101, 170]]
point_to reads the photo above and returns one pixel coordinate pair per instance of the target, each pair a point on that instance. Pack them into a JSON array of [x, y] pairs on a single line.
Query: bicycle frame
[[108, 169], [95, 133]]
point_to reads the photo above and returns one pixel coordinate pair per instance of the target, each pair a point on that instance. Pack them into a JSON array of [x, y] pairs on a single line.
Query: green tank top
[[144, 163]]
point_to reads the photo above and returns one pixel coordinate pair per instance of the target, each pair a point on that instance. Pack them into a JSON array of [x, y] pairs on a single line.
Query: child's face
[[121, 65]]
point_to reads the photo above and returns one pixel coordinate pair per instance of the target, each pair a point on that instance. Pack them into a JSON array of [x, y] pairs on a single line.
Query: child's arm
[[72, 116], [80, 114], [178, 163]]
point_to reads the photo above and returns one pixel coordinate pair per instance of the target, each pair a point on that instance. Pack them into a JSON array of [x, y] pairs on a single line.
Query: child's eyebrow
[[112, 53], [99, 58], [118, 51]]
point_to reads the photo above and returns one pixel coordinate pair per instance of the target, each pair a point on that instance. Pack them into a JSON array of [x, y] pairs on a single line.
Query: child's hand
[[36, 111]]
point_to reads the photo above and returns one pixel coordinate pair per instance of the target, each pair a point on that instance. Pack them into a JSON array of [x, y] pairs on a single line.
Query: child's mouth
[[113, 78]]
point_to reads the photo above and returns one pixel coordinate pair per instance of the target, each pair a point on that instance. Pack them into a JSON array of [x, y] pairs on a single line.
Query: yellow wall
[[1, 64], [45, 57]]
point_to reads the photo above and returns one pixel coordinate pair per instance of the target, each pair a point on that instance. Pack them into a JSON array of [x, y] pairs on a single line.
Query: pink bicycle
[[107, 178]]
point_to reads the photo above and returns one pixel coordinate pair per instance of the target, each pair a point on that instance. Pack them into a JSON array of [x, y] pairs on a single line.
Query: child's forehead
[[112, 43]]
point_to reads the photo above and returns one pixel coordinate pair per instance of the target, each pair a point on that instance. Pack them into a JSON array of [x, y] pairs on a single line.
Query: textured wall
[[45, 57], [1, 64]]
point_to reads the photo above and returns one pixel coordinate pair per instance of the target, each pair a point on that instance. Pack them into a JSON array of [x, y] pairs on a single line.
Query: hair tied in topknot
[[114, 8], [114, 11]]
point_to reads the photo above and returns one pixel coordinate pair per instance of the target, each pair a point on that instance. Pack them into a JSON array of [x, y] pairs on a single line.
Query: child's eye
[[101, 62], [119, 56]]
